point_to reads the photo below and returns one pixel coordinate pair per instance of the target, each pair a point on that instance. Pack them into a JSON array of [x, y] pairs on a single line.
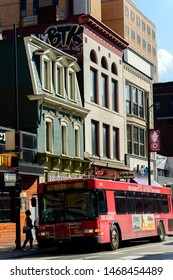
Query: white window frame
[[46, 78], [59, 80], [49, 134], [77, 127], [64, 135], [71, 84]]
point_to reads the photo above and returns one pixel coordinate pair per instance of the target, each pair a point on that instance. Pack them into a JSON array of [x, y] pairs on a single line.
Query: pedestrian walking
[[27, 229]]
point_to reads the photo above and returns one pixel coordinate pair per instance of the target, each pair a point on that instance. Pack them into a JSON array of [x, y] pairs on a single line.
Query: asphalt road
[[134, 250]]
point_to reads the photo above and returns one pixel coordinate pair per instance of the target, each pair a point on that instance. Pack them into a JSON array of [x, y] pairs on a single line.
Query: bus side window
[[152, 206], [102, 202], [130, 202], [146, 202], [138, 201], [120, 202], [165, 204], [158, 200]]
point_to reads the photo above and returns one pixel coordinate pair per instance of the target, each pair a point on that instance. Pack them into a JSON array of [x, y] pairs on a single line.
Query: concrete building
[[124, 18], [99, 51], [50, 108], [17, 190], [140, 71], [140, 58], [163, 96]]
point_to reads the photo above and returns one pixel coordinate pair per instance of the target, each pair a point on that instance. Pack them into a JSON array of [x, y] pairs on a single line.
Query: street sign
[[10, 178]]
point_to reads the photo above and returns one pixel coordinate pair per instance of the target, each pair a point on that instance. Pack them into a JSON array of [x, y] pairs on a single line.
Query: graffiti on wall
[[68, 38]]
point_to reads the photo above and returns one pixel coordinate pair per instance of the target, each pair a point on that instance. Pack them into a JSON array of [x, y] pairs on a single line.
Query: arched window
[[104, 63], [93, 56], [64, 121], [77, 127], [49, 133], [114, 69]]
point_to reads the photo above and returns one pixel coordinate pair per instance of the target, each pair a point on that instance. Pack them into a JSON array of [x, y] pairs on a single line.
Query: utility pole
[[17, 144], [148, 140]]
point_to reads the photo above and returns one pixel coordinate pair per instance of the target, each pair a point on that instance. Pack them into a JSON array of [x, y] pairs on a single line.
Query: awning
[[165, 180], [144, 181]]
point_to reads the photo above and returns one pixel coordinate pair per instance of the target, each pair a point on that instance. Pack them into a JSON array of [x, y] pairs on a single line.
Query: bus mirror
[[33, 202]]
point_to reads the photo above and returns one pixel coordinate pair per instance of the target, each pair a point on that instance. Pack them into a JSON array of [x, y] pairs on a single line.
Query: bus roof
[[94, 183]]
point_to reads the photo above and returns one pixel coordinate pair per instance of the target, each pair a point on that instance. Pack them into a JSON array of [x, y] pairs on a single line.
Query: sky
[[160, 13]]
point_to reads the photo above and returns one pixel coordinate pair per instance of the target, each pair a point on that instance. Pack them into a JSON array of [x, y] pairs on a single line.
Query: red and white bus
[[99, 211]]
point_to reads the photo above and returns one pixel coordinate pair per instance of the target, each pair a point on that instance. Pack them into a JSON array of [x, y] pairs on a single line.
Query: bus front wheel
[[114, 238]]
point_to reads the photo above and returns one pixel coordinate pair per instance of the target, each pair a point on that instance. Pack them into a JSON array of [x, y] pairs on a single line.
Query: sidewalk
[[13, 253]]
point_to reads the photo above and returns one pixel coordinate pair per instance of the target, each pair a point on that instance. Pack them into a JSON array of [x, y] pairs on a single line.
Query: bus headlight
[[91, 230], [45, 233]]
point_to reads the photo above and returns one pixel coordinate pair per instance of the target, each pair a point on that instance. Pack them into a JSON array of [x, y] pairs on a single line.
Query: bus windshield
[[68, 206]]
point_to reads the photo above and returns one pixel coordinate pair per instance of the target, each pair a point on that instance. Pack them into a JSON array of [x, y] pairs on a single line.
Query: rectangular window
[[145, 197], [133, 35], [132, 16], [135, 144], [47, 74], [139, 40], [154, 52], [165, 204], [77, 142], [71, 85], [94, 138], [148, 31], [142, 147], [49, 137], [104, 91], [149, 48], [138, 21], [130, 202], [64, 140], [106, 143], [127, 30], [144, 44], [120, 202], [158, 201], [93, 85], [153, 35], [143, 26], [23, 8], [138, 203], [115, 143], [141, 103], [5, 207], [152, 205], [35, 7], [128, 99], [114, 96], [135, 101], [59, 80], [127, 11], [102, 202], [136, 97], [135, 141], [129, 139]]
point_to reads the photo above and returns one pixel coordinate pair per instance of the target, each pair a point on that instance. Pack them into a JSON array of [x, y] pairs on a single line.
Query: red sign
[[154, 140], [111, 173]]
